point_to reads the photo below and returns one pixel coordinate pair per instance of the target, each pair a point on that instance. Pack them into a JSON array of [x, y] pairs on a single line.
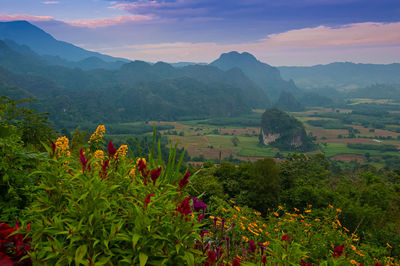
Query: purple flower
[[199, 205]]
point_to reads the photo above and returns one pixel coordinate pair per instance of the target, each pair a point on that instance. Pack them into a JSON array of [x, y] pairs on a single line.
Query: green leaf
[[143, 258], [80, 253], [135, 239]]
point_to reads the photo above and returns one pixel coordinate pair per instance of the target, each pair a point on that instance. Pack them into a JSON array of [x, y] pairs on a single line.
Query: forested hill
[[264, 75], [140, 91], [342, 75]]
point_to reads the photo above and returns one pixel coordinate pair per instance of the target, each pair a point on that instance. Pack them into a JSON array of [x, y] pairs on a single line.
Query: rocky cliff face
[[285, 132]]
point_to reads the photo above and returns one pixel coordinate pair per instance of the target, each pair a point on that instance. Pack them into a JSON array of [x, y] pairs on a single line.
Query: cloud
[[362, 42], [51, 2], [4, 17], [104, 22], [88, 23]]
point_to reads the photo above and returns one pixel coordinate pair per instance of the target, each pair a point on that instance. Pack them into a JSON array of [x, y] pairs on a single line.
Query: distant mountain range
[[342, 76], [78, 86]]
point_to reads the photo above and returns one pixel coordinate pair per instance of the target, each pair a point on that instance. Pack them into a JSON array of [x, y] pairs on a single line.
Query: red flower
[[83, 160], [147, 200], [236, 262], [264, 260], [252, 246], [338, 251], [155, 174], [53, 149], [111, 149], [303, 263], [377, 264], [104, 167], [184, 181], [211, 257], [5, 260], [286, 238], [184, 207]]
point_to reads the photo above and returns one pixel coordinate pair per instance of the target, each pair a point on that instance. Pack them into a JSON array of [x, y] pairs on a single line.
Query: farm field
[[211, 139]]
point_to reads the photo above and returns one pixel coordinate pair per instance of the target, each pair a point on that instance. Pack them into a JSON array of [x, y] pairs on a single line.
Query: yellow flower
[[266, 243], [353, 247], [276, 229], [389, 246], [257, 213], [122, 151], [244, 218], [338, 210], [338, 222], [224, 210], [141, 159], [245, 238], [309, 205], [276, 214], [307, 211], [295, 209], [317, 220], [232, 201], [347, 230], [98, 134], [280, 207], [212, 217], [353, 262], [132, 172], [236, 208], [62, 147]]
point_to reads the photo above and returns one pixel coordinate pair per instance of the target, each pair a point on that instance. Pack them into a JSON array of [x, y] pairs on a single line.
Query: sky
[[277, 32]]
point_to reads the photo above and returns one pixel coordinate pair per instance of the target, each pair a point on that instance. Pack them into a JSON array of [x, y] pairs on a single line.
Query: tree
[[235, 141]]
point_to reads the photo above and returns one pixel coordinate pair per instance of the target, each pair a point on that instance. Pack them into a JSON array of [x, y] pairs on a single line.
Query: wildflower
[[307, 211], [377, 264], [353, 248], [184, 207], [211, 257], [245, 238], [132, 172], [286, 238], [317, 220], [147, 200], [295, 209], [280, 207], [155, 174], [252, 246], [184, 181], [83, 159], [230, 228], [338, 251], [62, 147], [236, 262], [198, 205], [264, 260], [353, 262], [104, 167], [266, 243], [276, 214], [224, 210], [338, 222], [338, 210], [122, 151], [389, 246], [98, 134], [330, 206], [53, 149], [111, 149], [236, 208], [303, 263], [143, 160], [257, 213]]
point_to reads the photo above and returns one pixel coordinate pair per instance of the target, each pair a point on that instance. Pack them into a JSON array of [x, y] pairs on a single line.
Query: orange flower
[[307, 211], [338, 210]]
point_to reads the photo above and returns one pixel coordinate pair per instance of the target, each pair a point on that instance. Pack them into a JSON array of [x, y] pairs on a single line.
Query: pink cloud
[[104, 22], [4, 17], [50, 2], [368, 33]]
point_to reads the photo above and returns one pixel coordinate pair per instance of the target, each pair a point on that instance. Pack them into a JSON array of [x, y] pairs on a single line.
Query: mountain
[[282, 131], [23, 32], [342, 75], [264, 75], [288, 102]]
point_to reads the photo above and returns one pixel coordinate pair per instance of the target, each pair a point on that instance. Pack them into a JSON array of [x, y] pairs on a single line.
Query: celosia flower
[[264, 260], [252, 246], [303, 263], [286, 238], [111, 149], [155, 174], [338, 251], [184, 181], [122, 151], [83, 159], [184, 207], [104, 167], [211, 257], [147, 200], [236, 262]]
